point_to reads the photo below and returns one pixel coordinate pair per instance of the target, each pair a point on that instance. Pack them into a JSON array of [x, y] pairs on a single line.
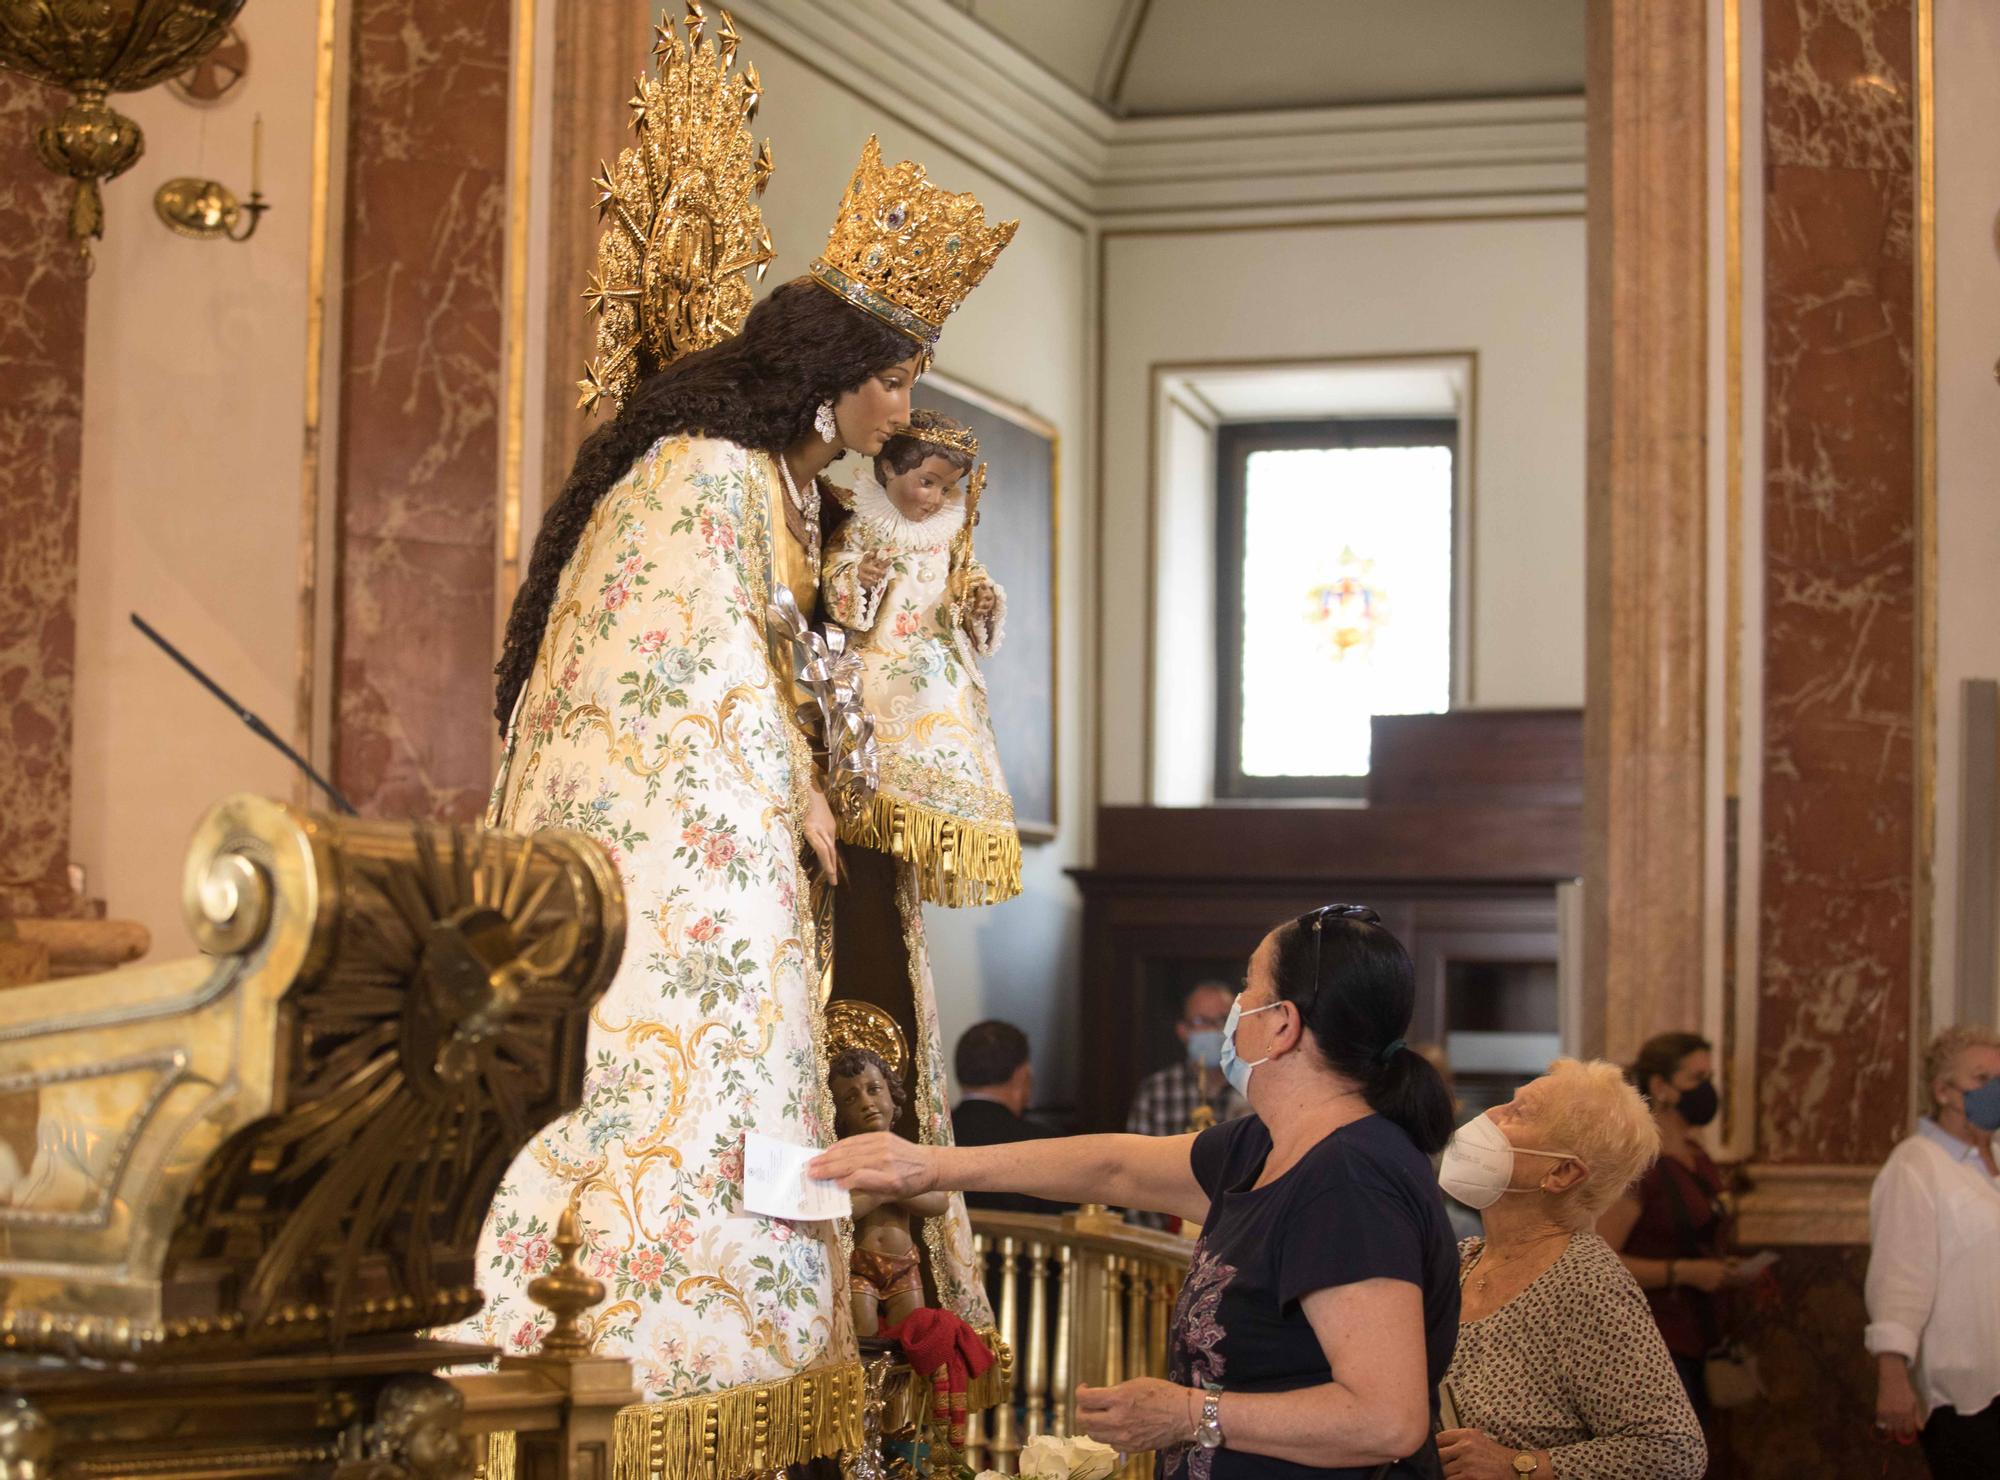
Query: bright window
[[1336, 587]]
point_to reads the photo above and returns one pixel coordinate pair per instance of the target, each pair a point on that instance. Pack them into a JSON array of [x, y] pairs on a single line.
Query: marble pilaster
[[420, 384], [1644, 652], [1840, 581], [41, 449]]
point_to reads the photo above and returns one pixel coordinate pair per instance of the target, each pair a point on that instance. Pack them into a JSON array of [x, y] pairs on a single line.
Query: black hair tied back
[[1354, 986]]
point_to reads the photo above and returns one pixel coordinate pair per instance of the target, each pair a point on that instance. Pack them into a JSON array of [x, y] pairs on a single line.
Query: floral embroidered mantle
[[653, 723]]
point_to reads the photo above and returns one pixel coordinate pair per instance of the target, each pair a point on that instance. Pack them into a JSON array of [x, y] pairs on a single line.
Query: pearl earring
[[823, 422]]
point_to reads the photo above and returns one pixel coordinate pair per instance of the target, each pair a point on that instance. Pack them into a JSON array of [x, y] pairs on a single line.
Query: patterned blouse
[[1574, 1365]]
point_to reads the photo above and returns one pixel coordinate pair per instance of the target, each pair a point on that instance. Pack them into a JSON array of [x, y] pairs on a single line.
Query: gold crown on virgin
[[904, 250], [933, 429], [683, 227]]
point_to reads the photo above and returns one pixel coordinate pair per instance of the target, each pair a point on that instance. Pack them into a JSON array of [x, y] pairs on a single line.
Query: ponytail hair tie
[[1390, 1050]]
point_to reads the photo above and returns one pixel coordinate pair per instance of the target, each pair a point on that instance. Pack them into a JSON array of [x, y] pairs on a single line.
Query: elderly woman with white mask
[[1559, 1369]]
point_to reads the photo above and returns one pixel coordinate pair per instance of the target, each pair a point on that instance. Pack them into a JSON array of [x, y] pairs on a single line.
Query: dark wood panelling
[[1479, 758], [1488, 844]]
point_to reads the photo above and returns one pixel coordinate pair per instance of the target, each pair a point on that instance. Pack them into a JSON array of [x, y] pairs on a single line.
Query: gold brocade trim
[[957, 863], [498, 1462], [720, 1436]]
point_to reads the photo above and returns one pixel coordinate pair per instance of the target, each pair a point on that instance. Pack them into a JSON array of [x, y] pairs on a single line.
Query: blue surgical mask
[[1982, 1106], [1204, 1047], [1235, 1070]]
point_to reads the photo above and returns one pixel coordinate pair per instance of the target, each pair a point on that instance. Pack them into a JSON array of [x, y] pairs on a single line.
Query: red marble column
[[420, 392], [41, 449], [1841, 598], [1840, 590]]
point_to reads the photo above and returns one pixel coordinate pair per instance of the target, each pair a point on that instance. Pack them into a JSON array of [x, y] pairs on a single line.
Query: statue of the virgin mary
[[652, 691]]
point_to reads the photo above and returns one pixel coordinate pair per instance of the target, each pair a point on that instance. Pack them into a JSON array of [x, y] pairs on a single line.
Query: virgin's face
[[876, 409]]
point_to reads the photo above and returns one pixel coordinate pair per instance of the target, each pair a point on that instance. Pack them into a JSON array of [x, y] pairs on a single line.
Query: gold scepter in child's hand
[[961, 543]]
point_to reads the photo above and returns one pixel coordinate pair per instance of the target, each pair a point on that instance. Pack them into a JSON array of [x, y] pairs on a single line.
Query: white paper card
[[775, 1184], [1753, 1267]]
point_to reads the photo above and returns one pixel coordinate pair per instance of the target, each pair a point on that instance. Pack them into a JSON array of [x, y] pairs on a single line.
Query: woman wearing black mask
[[1671, 1227]]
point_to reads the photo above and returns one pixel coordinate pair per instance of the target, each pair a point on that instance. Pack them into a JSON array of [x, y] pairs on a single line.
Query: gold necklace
[[1484, 1276]]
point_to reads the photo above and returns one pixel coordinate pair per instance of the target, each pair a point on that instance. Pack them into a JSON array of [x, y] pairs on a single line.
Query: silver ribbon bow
[[824, 666]]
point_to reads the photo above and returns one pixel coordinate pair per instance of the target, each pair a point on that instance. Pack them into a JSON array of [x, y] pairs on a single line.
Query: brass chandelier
[[93, 48]]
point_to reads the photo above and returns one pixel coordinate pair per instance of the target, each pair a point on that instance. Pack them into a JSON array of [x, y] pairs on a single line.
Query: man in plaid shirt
[[1192, 1095], [1167, 1102]]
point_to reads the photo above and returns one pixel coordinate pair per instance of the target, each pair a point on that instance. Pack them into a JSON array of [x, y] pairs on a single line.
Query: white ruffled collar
[[872, 503]]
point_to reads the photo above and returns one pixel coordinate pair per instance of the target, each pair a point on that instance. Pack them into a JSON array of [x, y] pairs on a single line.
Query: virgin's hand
[[873, 569], [884, 1166], [1469, 1455], [1140, 1415], [823, 835]]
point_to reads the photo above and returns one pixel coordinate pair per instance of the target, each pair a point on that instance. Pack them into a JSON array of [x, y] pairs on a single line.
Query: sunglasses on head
[[1315, 920]]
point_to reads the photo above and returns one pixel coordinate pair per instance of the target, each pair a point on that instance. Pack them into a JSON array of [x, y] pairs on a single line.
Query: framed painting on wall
[[1015, 540]]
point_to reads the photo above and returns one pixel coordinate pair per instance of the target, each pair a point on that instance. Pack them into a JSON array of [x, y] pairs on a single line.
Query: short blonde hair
[[1590, 1110], [1944, 1052]]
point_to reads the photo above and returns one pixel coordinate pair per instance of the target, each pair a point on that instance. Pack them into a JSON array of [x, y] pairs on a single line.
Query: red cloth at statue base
[[949, 1352]]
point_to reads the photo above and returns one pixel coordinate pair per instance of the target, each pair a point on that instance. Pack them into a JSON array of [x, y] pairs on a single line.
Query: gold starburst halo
[[904, 250], [683, 229], [852, 1023]]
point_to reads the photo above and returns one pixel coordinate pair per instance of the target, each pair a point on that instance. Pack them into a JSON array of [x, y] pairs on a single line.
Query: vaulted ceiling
[[1162, 57]]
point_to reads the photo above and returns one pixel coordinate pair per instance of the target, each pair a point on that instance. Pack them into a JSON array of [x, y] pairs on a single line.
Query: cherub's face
[[919, 493], [862, 1102]]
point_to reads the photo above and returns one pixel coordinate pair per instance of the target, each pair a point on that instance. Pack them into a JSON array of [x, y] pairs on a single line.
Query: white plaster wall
[[1968, 423], [1184, 710], [194, 396], [1510, 290], [1021, 336]]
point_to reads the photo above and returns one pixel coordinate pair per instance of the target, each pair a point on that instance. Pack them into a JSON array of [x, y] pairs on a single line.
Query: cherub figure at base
[[887, 1265]]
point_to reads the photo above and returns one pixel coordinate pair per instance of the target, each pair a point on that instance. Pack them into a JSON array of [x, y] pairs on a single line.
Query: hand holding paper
[[775, 1184]]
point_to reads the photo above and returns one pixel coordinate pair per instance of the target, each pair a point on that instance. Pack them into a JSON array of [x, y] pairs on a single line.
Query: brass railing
[[1084, 1298]]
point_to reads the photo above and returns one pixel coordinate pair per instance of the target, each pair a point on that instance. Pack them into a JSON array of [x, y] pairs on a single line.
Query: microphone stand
[[257, 726]]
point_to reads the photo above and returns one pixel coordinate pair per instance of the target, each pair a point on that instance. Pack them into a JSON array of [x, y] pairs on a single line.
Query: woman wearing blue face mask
[[1933, 1279], [1321, 1303]]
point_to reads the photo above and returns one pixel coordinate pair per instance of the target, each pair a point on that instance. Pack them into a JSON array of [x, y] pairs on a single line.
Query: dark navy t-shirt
[[1362, 1204]]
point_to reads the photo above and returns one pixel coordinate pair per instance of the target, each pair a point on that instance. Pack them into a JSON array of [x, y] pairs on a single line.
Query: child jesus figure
[[886, 1270], [920, 613]]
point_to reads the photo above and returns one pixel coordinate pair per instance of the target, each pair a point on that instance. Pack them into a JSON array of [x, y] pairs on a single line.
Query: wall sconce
[[208, 209]]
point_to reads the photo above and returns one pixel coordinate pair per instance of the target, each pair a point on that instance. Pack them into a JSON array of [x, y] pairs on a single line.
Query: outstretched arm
[[1151, 1173]]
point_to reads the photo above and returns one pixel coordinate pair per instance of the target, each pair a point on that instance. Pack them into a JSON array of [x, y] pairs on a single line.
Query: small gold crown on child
[[952, 439]]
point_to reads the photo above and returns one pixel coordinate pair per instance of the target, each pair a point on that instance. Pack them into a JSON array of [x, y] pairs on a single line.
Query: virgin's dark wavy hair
[[797, 348], [1358, 1007]]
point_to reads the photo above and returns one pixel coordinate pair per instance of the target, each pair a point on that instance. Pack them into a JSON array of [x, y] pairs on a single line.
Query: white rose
[[1045, 1457], [1090, 1460]]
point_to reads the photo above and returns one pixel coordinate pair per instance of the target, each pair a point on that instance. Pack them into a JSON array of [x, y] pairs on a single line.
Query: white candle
[[256, 154]]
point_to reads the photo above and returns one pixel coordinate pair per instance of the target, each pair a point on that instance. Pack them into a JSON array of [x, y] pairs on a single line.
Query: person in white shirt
[[1933, 1279]]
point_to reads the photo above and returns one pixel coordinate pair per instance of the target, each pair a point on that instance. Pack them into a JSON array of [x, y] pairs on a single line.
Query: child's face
[[918, 493], [862, 1102]]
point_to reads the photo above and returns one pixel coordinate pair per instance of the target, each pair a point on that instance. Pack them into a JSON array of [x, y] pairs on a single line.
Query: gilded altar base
[[753, 1430]]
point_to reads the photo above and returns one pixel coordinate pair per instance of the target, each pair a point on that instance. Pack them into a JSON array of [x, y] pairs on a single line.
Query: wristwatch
[[1525, 1463], [1208, 1433]]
